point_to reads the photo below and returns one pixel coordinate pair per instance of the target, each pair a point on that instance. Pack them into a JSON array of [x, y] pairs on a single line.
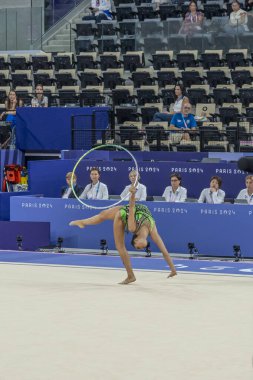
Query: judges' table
[[213, 228], [50, 128]]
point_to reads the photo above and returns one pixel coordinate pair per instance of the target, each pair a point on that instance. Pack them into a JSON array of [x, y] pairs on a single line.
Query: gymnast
[[135, 218]]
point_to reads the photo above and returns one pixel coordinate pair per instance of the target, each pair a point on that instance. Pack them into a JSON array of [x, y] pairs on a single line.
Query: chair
[[168, 95], [133, 60], [85, 44], [148, 111], [212, 9], [130, 132], [109, 60], [205, 109], [4, 91], [42, 61], [90, 78], [146, 11], [126, 114], [20, 62], [69, 95], [246, 41], [241, 77], [113, 78], [151, 27], [66, 78], [246, 95], [122, 95], [176, 42], [162, 59], [4, 78], [224, 93], [4, 64], [211, 58], [25, 93], [86, 61], [92, 96], [229, 112], [63, 61], [186, 148], [44, 77], [86, 28], [52, 94], [156, 131], [108, 43], [142, 77], [151, 44], [128, 43], [192, 77], [198, 93], [217, 76], [236, 57], [168, 11], [21, 78], [187, 59], [147, 94], [225, 41], [167, 77], [129, 27], [126, 11]]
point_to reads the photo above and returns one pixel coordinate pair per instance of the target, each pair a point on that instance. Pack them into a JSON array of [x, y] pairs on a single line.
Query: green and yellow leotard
[[142, 216]]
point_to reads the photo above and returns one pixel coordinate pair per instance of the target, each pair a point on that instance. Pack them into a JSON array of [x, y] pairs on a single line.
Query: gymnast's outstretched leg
[[96, 219], [119, 238]]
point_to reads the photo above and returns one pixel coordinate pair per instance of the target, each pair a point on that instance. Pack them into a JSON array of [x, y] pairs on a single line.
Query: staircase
[[61, 38]]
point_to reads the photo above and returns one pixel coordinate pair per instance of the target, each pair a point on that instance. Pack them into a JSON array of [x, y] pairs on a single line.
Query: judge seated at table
[[67, 191]]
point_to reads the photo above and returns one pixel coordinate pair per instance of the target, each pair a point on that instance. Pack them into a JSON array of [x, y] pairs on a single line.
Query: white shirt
[[179, 195], [214, 197], [141, 192], [235, 18], [67, 192], [178, 105], [245, 195], [97, 191], [101, 5]]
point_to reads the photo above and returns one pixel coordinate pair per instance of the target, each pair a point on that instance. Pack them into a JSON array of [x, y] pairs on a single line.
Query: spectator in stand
[[95, 189], [238, 20], [67, 190], [39, 99], [11, 103], [9, 115], [175, 192], [100, 10], [184, 121], [180, 99], [141, 190], [193, 20], [248, 192], [213, 194]]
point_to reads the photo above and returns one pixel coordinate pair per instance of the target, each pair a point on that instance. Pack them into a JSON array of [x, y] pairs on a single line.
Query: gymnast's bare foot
[[128, 280], [78, 223], [172, 273]]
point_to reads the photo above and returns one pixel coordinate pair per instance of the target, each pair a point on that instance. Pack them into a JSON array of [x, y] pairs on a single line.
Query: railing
[[57, 9]]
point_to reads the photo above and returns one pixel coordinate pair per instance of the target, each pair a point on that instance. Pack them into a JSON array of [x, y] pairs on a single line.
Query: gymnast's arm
[[160, 244], [131, 218]]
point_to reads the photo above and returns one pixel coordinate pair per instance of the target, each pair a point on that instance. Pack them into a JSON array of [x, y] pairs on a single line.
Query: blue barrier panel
[[50, 128], [47, 177], [34, 234], [140, 156], [5, 203], [213, 228]]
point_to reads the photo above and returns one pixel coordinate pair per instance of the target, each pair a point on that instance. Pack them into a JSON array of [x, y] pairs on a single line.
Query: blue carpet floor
[[142, 263]]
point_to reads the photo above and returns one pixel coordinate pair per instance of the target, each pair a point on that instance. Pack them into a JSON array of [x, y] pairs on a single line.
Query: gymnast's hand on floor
[[78, 223]]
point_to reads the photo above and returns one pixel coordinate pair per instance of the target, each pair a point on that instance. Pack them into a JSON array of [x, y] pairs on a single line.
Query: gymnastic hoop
[[86, 154]]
